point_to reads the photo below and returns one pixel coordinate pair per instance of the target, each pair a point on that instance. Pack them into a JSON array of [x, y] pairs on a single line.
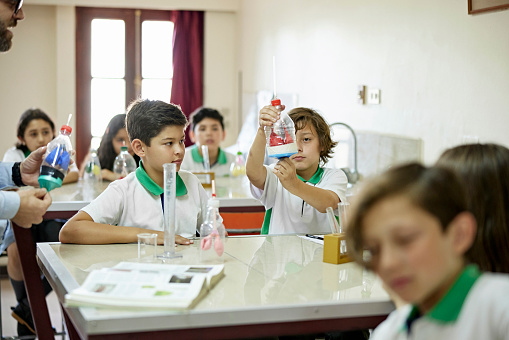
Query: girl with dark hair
[[114, 137]]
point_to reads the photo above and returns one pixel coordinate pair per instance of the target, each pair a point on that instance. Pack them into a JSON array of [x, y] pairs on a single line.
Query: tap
[[352, 175]]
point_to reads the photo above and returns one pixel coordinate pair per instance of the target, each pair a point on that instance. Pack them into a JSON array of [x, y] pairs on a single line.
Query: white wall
[[40, 67], [28, 71], [443, 74]]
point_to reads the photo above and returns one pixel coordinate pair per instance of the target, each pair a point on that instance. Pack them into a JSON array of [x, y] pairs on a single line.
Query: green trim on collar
[[448, 309], [197, 158], [153, 187], [316, 177], [266, 222], [26, 152]]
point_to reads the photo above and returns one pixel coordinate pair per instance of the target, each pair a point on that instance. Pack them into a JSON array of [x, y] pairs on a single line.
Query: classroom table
[[241, 212], [273, 285]]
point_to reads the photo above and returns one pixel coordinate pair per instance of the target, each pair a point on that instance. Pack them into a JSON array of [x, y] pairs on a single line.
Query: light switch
[[374, 96]]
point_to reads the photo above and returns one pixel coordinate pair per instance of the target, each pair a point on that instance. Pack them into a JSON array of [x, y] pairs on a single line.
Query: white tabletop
[[273, 280]]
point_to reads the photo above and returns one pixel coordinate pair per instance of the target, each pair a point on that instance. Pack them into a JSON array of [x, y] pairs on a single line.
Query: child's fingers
[[182, 240]]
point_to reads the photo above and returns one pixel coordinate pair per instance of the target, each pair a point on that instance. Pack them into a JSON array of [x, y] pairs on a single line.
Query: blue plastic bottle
[[56, 160]]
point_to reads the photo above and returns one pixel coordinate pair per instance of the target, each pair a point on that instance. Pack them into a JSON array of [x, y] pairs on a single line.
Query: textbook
[[146, 285]]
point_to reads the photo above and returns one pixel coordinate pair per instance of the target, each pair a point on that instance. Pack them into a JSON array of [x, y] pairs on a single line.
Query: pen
[[316, 237]]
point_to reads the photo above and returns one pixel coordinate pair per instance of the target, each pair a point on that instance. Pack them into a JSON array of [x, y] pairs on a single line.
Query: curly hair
[[303, 116]]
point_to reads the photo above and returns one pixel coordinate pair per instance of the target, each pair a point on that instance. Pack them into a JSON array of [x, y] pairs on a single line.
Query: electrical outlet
[[374, 96], [361, 94]]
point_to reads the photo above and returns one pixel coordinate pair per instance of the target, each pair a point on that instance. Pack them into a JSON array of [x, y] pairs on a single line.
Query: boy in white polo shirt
[[207, 128], [296, 191], [134, 204], [411, 227]]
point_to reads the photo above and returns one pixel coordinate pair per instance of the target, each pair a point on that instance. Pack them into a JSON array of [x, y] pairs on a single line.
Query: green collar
[[313, 180], [153, 187], [316, 177], [221, 158], [26, 152], [448, 309]]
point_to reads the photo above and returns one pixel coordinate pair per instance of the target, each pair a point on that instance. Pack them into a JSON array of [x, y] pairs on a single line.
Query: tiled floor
[[8, 299]]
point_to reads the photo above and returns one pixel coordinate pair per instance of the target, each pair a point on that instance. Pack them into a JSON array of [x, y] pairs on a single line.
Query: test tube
[[169, 214], [332, 220], [206, 160]]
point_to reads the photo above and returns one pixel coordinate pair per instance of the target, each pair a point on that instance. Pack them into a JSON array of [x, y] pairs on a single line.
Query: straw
[[333, 224], [274, 95], [69, 119]]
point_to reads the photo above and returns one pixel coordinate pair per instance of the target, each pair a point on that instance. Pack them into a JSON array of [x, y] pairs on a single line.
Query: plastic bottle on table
[[281, 135], [92, 176], [212, 233], [56, 160], [238, 168], [124, 163]]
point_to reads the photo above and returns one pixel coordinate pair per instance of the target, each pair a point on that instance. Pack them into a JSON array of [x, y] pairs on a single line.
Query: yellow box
[[331, 249]]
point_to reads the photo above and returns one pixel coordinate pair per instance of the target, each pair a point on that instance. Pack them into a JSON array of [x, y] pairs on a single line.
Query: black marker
[[316, 237]]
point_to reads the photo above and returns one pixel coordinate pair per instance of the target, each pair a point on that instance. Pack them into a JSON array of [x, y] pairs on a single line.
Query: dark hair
[[484, 169], [147, 118], [25, 119], [106, 151], [204, 112], [303, 116], [436, 190]]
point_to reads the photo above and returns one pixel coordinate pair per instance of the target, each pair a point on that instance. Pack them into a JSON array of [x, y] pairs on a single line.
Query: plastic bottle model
[[281, 135], [92, 176], [238, 168], [56, 160], [212, 232], [124, 163]]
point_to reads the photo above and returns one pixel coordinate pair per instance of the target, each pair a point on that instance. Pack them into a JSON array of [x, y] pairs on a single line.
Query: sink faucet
[[352, 175]]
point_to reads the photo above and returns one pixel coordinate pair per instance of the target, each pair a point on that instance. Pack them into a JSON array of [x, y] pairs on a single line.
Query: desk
[[274, 285], [241, 212]]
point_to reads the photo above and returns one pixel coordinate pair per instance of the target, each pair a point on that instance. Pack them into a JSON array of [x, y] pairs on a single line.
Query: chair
[[33, 282]]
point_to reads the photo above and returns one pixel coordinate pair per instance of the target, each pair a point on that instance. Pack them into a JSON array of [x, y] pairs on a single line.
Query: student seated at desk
[[35, 129], [412, 227], [207, 128], [112, 140], [134, 204], [296, 191]]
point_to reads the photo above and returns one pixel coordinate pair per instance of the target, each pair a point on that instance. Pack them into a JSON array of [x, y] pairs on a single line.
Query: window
[[121, 54]]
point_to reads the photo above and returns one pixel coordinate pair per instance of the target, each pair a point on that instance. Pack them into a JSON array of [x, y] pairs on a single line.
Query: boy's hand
[[268, 115], [178, 239], [287, 174]]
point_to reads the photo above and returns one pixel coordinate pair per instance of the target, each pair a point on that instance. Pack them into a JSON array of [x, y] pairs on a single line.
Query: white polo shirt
[[287, 213], [193, 161], [476, 307], [135, 201]]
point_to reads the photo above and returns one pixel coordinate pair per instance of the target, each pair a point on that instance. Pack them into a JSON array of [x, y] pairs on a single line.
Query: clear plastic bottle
[[212, 233], [92, 176], [281, 135], [124, 163], [56, 160], [238, 168]]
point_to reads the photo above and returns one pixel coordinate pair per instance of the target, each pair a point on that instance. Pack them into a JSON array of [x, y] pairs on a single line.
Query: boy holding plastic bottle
[[296, 191], [412, 227], [134, 204], [207, 128]]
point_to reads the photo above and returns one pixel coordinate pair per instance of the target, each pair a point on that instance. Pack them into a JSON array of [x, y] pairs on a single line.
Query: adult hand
[[32, 206], [287, 174], [31, 166]]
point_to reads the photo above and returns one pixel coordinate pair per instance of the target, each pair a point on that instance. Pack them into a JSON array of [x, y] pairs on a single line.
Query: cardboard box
[[331, 249]]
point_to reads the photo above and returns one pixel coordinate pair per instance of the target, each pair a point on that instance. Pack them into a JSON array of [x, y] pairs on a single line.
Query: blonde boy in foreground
[[411, 226], [296, 191], [134, 204]]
